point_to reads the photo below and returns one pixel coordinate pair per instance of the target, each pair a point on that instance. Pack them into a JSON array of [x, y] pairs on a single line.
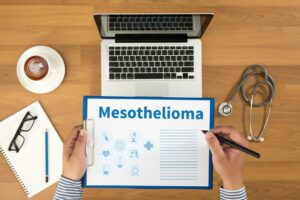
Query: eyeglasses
[[25, 126]]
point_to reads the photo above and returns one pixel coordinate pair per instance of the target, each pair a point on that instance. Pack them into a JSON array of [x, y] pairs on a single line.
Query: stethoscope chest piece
[[225, 109]]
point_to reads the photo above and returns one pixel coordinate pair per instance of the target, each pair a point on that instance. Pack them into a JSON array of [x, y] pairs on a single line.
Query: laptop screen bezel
[[101, 20]]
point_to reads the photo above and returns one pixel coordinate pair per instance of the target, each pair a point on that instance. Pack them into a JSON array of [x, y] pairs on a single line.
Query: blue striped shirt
[[68, 189], [239, 194]]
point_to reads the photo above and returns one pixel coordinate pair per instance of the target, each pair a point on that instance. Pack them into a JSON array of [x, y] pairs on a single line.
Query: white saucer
[[55, 74]]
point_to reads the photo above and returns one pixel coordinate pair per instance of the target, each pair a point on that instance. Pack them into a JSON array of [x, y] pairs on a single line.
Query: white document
[[29, 163], [148, 142]]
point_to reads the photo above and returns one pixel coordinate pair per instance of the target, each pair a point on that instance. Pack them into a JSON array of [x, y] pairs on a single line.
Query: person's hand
[[74, 158], [228, 162]]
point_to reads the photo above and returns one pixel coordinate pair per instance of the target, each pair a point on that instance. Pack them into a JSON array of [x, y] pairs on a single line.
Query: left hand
[[74, 157]]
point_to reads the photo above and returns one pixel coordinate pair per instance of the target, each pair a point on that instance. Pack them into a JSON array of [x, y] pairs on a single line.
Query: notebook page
[[29, 162]]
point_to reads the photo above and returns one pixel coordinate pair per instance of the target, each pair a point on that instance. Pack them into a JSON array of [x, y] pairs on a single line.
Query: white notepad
[[140, 142], [29, 163]]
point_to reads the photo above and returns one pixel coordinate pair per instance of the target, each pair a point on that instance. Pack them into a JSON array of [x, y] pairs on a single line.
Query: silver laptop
[[152, 54]]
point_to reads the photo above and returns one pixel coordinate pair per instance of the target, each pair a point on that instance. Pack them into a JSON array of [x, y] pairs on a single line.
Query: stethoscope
[[225, 108]]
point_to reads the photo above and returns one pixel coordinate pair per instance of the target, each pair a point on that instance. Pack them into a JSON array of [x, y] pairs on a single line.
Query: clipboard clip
[[88, 124]]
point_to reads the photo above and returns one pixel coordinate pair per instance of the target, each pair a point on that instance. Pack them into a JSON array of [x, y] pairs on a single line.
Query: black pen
[[235, 145]]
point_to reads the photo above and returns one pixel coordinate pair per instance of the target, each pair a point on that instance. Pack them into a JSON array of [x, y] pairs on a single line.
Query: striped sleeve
[[68, 189], [239, 194]]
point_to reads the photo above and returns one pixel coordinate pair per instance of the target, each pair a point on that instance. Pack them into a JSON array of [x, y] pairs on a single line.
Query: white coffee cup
[[40, 69]]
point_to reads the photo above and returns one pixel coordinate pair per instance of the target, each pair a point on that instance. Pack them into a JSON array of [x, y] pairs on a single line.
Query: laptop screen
[[194, 25]]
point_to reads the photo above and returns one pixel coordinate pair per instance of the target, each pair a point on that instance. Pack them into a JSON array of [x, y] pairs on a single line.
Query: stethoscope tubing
[[252, 70]]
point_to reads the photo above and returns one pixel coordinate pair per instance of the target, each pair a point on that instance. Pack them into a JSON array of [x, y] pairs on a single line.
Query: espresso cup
[[36, 67]]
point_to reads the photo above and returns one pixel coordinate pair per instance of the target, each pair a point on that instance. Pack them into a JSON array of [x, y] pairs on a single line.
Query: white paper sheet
[[136, 151]]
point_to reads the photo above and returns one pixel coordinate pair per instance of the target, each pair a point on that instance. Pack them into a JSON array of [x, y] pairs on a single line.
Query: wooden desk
[[242, 32]]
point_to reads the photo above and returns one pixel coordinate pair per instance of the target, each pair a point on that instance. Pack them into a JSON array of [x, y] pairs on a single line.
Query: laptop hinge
[[126, 38]]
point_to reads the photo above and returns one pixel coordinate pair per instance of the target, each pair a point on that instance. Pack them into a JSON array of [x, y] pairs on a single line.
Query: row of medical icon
[[107, 170], [134, 137], [132, 152]]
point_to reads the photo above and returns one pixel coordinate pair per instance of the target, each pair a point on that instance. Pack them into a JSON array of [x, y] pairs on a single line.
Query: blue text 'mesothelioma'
[[146, 113]]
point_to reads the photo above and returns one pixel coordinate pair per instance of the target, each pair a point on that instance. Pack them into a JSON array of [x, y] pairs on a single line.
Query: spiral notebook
[[28, 164]]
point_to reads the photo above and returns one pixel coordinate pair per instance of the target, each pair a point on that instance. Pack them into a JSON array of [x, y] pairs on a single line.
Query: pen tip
[[204, 131], [258, 155]]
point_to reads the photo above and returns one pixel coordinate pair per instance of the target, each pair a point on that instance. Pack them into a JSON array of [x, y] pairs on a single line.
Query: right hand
[[228, 162]]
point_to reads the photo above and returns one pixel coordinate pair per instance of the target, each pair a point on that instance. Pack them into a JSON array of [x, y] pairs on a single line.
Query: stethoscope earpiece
[[260, 139], [249, 138]]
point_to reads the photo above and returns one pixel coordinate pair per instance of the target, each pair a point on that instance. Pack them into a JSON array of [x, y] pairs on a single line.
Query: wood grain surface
[[242, 32]]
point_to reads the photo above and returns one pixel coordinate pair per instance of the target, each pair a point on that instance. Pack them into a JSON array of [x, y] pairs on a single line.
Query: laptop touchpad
[[151, 89]]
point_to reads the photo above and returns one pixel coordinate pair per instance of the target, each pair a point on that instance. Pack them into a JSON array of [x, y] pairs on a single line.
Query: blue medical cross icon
[[148, 145]]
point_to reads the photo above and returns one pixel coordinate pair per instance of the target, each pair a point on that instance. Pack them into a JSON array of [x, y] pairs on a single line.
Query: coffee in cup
[[36, 68]]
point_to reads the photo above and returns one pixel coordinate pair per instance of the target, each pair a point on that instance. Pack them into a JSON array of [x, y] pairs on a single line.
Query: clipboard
[[99, 175]]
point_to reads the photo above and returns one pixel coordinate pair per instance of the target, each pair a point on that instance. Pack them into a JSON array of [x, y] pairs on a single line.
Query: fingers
[[70, 142], [74, 133], [81, 143], [214, 145], [232, 133], [227, 130]]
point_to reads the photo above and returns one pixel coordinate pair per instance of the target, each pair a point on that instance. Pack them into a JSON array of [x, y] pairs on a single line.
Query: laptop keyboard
[[151, 62], [150, 22]]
